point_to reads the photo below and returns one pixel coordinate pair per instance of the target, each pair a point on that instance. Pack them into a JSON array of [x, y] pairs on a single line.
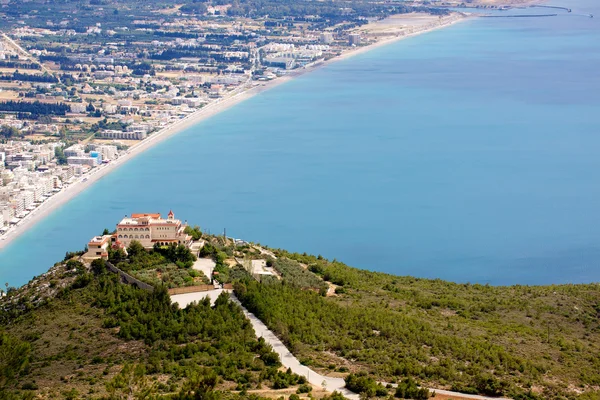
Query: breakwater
[[520, 16], [553, 7]]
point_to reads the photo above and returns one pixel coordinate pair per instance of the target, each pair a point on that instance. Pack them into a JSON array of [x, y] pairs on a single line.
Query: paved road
[[287, 358], [331, 384], [206, 266], [187, 298], [289, 361], [29, 56]]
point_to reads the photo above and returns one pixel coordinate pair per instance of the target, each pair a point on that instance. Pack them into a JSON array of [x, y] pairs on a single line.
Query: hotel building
[[149, 229]]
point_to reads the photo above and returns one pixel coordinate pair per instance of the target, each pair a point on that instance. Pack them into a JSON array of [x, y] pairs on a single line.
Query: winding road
[[329, 384], [289, 361]]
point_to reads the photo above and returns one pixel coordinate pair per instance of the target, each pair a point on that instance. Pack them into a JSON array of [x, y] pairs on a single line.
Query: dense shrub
[[363, 384], [408, 389], [294, 274]]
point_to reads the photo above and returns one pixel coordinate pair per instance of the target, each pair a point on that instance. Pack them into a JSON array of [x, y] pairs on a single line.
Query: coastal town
[[84, 87], [451, 170]]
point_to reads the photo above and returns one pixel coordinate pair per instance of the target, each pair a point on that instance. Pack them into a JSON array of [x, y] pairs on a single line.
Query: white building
[[91, 161], [109, 108], [354, 39], [27, 197], [113, 134], [326, 37], [74, 151], [78, 108], [7, 212], [108, 152], [98, 247], [189, 101]]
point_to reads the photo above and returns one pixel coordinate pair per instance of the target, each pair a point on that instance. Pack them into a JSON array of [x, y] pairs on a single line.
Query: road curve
[[329, 384], [289, 361]]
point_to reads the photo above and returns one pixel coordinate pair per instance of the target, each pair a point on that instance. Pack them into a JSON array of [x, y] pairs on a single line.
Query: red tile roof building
[[149, 229]]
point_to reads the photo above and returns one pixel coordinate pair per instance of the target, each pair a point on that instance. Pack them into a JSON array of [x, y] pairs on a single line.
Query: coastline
[[237, 96]]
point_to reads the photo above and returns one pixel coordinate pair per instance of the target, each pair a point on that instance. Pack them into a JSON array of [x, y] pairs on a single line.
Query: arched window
[[120, 236], [136, 236], [135, 229], [147, 236]]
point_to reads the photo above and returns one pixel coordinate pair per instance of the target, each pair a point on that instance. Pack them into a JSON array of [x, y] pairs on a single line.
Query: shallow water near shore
[[468, 154]]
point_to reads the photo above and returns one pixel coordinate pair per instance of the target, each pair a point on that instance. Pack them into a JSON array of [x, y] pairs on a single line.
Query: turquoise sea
[[469, 154]]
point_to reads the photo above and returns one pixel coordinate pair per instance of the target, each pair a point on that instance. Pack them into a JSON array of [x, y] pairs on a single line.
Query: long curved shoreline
[[235, 97]]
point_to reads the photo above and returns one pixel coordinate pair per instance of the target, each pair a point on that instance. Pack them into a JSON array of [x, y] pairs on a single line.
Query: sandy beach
[[237, 96]]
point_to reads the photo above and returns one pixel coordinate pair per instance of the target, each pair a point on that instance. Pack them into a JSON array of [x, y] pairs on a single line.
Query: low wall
[[125, 277], [191, 289]]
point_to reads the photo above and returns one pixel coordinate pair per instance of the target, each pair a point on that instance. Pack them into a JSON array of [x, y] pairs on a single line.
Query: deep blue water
[[468, 154]]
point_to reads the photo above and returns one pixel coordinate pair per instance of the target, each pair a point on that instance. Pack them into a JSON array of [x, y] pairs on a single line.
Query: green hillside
[[521, 341], [77, 332]]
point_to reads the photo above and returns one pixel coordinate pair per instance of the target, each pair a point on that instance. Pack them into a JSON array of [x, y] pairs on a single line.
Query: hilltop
[[78, 332]]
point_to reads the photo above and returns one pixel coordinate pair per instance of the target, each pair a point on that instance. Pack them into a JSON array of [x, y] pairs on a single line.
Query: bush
[[490, 385], [271, 359], [335, 396], [82, 281], [98, 266], [282, 380], [30, 386], [340, 290], [408, 389], [72, 254], [75, 265], [363, 384], [304, 388]]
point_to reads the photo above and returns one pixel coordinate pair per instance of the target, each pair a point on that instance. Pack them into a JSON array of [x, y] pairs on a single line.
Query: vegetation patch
[[98, 338], [168, 266], [519, 341], [294, 274]]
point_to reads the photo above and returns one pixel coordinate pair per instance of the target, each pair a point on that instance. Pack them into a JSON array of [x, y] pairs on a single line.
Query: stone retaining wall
[[125, 277]]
